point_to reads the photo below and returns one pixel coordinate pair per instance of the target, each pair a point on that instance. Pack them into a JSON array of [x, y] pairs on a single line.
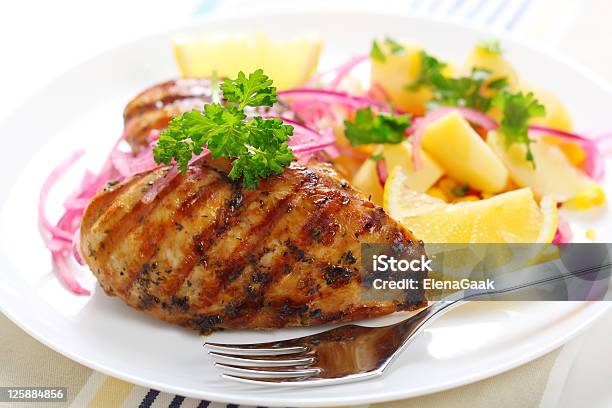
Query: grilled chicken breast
[[206, 253], [152, 109]]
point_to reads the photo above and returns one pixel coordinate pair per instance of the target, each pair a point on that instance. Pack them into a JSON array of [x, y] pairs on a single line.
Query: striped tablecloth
[[24, 361]]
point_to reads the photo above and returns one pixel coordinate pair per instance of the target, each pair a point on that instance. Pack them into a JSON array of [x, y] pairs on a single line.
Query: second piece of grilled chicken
[[206, 253], [153, 108]]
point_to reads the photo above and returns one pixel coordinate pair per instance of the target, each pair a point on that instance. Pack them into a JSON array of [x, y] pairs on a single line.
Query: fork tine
[[253, 349], [260, 362], [299, 381], [272, 374], [290, 382]]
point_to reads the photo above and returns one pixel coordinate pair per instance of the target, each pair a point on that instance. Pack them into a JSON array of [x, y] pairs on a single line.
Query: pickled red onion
[[306, 140], [341, 71], [382, 171], [564, 233], [58, 239], [345, 69], [314, 95], [604, 143], [159, 185], [594, 164], [127, 164]]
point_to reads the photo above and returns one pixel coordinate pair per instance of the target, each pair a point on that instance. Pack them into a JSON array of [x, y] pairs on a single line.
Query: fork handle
[[414, 324]]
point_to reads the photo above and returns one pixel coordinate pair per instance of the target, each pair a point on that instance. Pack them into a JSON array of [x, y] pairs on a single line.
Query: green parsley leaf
[[376, 53], [517, 109], [464, 91], [257, 146], [369, 128], [468, 91], [491, 46], [460, 191], [430, 72], [394, 46]]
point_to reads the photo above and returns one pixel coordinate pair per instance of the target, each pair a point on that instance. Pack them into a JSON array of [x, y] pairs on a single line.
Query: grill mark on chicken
[[148, 252], [148, 246], [226, 216], [279, 182], [119, 207], [136, 216], [195, 250], [109, 197], [321, 226], [317, 221], [244, 257], [166, 93], [255, 295], [258, 236]]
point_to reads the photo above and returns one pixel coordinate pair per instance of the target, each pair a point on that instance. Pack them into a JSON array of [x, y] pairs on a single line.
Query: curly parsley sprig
[[257, 146]]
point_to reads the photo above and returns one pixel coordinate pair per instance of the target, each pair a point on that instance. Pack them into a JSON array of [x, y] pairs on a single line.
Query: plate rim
[[599, 308]]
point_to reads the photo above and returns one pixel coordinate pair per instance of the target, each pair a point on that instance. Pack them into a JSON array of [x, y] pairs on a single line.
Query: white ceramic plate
[[83, 109]]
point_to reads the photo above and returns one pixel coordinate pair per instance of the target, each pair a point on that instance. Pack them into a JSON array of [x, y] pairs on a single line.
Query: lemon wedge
[[512, 217], [288, 63], [400, 200]]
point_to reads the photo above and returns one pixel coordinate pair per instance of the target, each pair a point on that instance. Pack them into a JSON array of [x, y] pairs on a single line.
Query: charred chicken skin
[[206, 253]]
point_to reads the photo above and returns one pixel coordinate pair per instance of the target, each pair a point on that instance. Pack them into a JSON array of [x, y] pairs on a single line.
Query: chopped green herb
[[468, 91], [394, 46], [517, 109], [491, 46], [376, 53], [376, 157], [257, 146], [498, 84], [430, 72], [464, 91], [368, 127], [460, 191]]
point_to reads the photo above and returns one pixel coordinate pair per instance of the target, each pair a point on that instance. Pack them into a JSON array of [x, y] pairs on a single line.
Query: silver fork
[[351, 353]]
